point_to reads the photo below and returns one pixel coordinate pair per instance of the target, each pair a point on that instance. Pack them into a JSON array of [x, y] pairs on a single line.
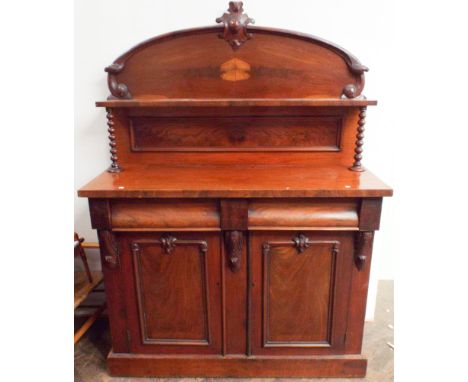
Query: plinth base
[[143, 365]]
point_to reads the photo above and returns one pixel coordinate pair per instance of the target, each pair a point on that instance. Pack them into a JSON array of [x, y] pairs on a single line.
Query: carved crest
[[235, 25]]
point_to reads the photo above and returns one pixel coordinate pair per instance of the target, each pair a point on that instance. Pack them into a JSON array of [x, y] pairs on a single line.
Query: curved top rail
[[236, 61]]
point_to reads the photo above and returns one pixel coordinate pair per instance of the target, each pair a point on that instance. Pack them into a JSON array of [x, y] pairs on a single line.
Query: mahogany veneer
[[236, 219]]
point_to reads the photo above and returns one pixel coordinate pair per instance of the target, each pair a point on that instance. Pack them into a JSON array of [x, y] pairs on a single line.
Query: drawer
[[303, 214], [263, 214], [172, 214]]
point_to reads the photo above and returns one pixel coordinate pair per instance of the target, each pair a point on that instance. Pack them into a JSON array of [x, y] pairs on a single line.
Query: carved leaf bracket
[[363, 248], [234, 243], [235, 23], [168, 244], [301, 242]]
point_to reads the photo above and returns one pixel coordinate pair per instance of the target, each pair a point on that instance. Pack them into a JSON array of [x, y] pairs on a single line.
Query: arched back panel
[[199, 63]]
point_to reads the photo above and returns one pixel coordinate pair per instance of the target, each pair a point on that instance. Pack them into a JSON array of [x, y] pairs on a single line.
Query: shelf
[[237, 102]]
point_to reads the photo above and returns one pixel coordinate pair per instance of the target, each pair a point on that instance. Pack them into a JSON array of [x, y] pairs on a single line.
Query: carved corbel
[[234, 242], [235, 25], [109, 249], [119, 90], [363, 248]]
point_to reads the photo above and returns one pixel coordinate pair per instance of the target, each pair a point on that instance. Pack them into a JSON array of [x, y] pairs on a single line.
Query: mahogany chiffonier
[[236, 220]]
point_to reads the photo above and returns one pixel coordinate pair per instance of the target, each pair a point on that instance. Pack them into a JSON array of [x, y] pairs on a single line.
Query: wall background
[[106, 28]]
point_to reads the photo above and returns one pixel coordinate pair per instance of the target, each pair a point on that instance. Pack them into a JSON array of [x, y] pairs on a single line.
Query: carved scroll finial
[[352, 91], [114, 167], [235, 25], [359, 141], [117, 89]]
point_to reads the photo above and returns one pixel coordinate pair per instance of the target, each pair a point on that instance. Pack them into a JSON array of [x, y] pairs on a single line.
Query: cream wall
[[106, 28]]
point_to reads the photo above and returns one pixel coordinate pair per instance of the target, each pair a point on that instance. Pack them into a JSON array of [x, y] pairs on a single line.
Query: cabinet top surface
[[235, 181]]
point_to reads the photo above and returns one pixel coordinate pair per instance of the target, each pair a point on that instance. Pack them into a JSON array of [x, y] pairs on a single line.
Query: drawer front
[[303, 214], [172, 214], [175, 305], [299, 292], [205, 215]]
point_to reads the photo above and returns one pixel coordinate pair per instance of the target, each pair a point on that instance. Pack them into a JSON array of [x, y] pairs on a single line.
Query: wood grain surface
[[262, 133], [280, 63]]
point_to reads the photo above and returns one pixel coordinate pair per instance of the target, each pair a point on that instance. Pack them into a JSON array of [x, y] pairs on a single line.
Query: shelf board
[[237, 102]]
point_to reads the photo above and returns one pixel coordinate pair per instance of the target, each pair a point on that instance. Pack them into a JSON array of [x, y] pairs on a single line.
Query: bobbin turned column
[[114, 167], [359, 141]]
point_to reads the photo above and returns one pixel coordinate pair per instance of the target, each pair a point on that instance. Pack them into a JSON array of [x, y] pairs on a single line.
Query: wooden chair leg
[[79, 251], [86, 266]]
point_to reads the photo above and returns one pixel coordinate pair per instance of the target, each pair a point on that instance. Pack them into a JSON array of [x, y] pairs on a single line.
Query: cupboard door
[[299, 292], [175, 303]]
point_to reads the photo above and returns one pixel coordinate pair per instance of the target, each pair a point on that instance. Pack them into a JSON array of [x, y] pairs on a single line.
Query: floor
[[91, 351]]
